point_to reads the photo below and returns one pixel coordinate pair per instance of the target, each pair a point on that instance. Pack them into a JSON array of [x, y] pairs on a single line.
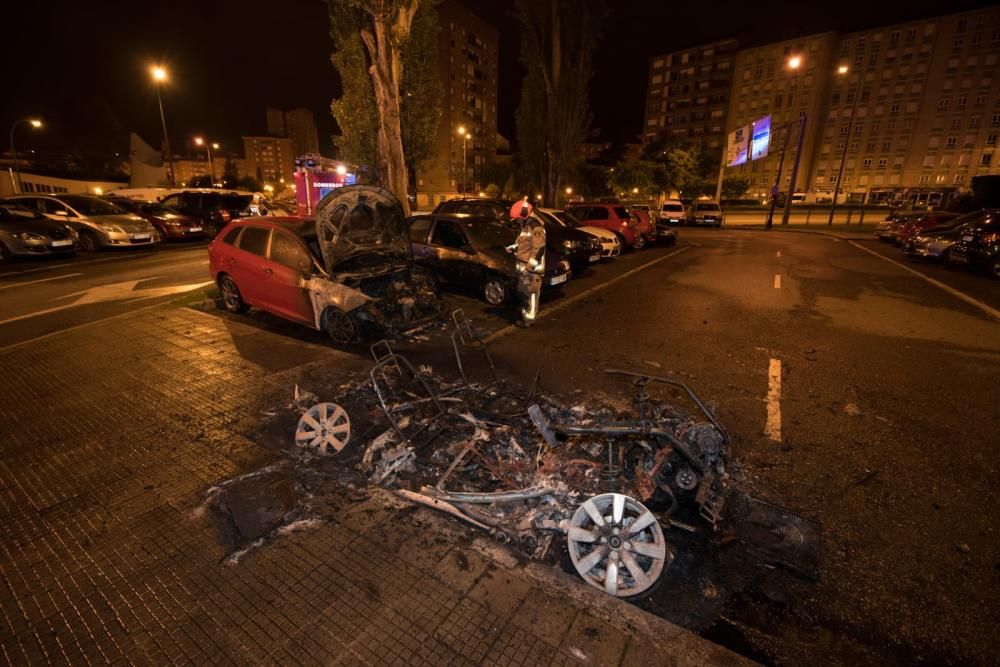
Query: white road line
[[992, 312], [772, 428], [545, 312], [40, 280], [779, 254], [777, 281]]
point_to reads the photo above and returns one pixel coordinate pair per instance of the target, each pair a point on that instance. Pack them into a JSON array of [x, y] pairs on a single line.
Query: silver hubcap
[[324, 428], [230, 295], [494, 293], [617, 545]]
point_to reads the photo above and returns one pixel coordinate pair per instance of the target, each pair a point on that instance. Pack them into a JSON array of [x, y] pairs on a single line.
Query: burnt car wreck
[[526, 469], [371, 289]]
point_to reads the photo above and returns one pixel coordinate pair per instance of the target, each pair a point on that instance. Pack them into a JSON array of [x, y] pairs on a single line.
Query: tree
[[388, 113], [229, 173], [590, 181], [557, 37], [496, 173], [625, 177], [734, 187], [248, 183], [203, 181]]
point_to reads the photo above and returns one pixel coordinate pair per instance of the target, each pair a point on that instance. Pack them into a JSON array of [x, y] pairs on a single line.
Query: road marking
[[582, 295], [40, 280], [779, 253], [777, 281], [993, 312], [73, 265], [772, 428]]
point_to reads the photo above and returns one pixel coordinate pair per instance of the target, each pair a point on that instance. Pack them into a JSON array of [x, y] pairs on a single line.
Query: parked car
[[347, 272], [979, 245], [610, 246], [170, 224], [214, 208], [705, 212], [27, 233], [470, 252], [646, 227], [913, 227], [936, 243], [672, 213], [887, 230], [98, 223], [497, 209], [615, 218]]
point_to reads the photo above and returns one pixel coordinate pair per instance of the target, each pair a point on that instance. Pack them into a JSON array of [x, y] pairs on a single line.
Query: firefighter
[[529, 255]]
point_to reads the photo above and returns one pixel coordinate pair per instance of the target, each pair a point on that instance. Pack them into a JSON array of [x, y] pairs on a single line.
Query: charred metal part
[[468, 336], [489, 498], [680, 525], [779, 536], [542, 424], [454, 464], [324, 293], [617, 545], [388, 363], [325, 428], [443, 506], [686, 479]]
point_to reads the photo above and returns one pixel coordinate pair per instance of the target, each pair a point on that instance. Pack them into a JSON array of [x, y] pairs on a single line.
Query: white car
[[610, 246], [672, 213]]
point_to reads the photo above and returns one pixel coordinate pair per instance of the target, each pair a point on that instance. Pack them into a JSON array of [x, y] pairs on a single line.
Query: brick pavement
[[111, 435]]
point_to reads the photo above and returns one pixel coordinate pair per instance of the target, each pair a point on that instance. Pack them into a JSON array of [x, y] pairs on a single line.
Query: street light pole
[[35, 123], [465, 135], [795, 171], [847, 139], [159, 76], [777, 177], [208, 147]]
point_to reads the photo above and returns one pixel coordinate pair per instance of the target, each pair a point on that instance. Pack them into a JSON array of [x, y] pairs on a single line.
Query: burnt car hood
[[360, 220]]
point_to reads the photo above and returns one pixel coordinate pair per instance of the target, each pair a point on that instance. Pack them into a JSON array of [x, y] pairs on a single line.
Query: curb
[[847, 236]]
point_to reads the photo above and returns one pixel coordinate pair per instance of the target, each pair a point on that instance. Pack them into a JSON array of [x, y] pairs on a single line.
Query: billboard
[[761, 137], [737, 145]]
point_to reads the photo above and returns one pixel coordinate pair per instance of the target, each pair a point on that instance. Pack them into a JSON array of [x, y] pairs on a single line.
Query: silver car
[[99, 223]]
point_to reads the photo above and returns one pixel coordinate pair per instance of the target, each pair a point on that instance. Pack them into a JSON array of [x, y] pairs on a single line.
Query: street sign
[[761, 138], [737, 145]]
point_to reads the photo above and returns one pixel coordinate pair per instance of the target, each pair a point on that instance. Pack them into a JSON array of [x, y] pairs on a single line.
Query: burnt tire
[[340, 326], [89, 241], [495, 291], [232, 300]]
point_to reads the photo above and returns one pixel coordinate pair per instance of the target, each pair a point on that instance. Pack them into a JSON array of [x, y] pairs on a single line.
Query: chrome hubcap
[[494, 293], [324, 428]]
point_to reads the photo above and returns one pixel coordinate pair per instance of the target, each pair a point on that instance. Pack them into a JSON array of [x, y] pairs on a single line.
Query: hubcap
[[617, 545], [324, 428], [230, 296], [340, 327], [494, 293]]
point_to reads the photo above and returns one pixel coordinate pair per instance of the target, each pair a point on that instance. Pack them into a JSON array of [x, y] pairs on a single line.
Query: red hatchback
[[349, 272], [912, 228], [631, 231]]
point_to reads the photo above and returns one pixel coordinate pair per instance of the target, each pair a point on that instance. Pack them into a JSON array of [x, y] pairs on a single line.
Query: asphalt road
[[861, 392]]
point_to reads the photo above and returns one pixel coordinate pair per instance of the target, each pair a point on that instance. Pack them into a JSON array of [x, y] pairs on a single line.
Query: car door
[[449, 245], [247, 263], [288, 263], [419, 230]]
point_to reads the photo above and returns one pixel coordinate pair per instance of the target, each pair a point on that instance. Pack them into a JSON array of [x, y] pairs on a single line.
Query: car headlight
[[29, 236], [109, 228]]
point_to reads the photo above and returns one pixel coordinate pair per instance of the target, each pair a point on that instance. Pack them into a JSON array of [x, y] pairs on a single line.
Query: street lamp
[[635, 191], [843, 70], [159, 74], [33, 122], [208, 146], [462, 132], [794, 64]]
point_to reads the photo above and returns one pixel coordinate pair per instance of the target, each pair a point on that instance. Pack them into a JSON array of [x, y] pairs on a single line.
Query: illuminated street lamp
[[635, 191], [159, 74], [33, 122], [462, 132], [843, 70], [208, 146], [569, 191], [793, 63]]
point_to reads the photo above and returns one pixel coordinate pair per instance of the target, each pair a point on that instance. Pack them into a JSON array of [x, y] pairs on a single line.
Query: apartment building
[[467, 48], [912, 109], [688, 92], [269, 159]]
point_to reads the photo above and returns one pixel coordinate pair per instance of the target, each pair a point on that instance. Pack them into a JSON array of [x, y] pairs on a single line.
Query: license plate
[[967, 237], [195, 229], [140, 237], [595, 258], [558, 279], [58, 244]]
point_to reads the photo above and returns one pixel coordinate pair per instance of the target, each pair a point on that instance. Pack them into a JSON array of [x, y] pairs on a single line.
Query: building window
[[985, 159], [882, 163], [991, 140], [924, 178], [959, 179], [866, 163], [950, 142]]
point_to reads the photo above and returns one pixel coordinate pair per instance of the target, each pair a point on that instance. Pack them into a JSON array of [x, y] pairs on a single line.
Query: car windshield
[[566, 218], [91, 205], [156, 208], [708, 207], [673, 208], [10, 212], [488, 235]]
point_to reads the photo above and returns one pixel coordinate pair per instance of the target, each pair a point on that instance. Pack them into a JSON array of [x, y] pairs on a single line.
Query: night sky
[[83, 67]]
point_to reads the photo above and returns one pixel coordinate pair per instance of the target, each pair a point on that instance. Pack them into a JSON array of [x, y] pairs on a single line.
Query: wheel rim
[[494, 292], [640, 242], [340, 327], [324, 429], [617, 545], [230, 294], [87, 242]]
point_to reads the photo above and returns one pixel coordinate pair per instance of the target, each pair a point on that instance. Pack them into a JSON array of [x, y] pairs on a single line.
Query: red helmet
[[521, 209]]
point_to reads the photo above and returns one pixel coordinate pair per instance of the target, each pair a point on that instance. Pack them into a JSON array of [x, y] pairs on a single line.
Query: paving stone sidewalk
[[110, 436]]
